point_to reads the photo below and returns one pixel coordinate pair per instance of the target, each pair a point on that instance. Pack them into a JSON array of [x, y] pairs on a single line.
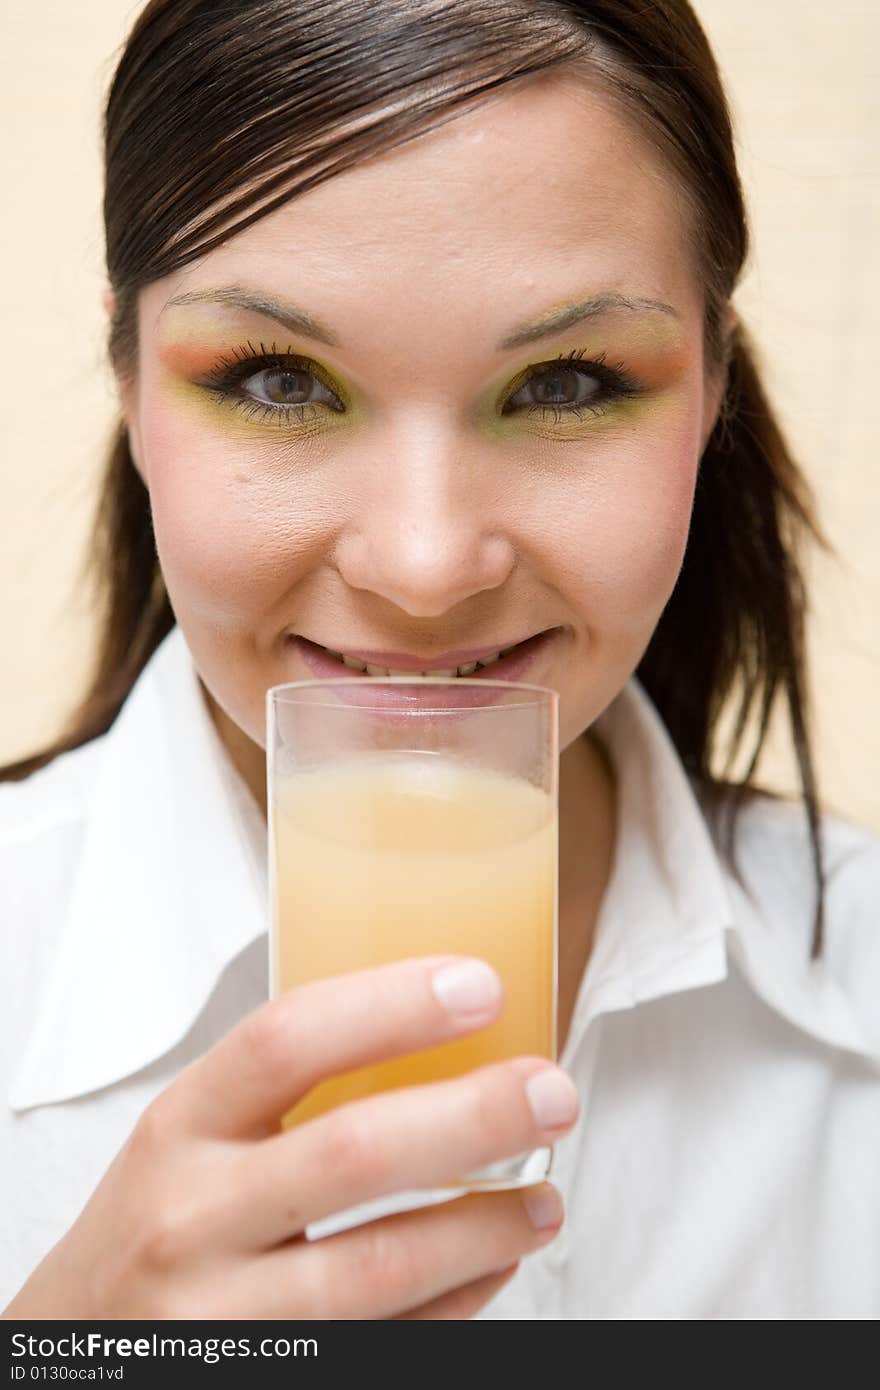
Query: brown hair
[[221, 110]]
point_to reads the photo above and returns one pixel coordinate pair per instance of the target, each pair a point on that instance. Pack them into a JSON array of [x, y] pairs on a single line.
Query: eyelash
[[224, 378]]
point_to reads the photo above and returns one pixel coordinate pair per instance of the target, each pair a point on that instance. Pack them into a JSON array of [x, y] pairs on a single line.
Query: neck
[[586, 842]]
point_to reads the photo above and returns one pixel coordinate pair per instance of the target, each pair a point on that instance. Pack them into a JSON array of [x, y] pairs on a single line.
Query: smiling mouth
[[493, 663], [468, 669]]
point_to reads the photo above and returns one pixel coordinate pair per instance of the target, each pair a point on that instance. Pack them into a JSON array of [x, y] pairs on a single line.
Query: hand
[[202, 1212]]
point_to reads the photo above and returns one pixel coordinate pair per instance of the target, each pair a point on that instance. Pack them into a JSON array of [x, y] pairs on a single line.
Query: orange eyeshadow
[[190, 358]]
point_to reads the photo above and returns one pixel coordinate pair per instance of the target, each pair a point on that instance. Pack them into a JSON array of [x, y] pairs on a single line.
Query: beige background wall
[[805, 97]]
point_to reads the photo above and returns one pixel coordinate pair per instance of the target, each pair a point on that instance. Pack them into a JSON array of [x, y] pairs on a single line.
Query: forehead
[[547, 186]]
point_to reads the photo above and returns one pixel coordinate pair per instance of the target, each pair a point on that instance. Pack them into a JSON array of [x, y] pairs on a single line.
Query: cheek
[[232, 534], [625, 535]]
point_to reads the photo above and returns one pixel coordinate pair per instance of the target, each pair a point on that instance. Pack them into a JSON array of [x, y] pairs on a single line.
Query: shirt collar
[[170, 887], [674, 915], [170, 892]]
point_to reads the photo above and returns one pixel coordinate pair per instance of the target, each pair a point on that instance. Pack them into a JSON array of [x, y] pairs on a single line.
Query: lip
[[440, 661], [446, 692]]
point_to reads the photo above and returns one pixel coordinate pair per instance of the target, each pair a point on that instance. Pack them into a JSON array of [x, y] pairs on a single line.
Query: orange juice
[[404, 854]]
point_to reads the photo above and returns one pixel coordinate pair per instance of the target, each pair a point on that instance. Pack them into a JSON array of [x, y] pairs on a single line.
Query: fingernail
[[471, 987], [544, 1207], [552, 1097]]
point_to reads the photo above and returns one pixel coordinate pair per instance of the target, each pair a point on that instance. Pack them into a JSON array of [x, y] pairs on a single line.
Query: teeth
[[362, 666]]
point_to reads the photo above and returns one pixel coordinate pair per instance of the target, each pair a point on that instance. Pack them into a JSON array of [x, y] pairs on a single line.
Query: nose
[[430, 524]]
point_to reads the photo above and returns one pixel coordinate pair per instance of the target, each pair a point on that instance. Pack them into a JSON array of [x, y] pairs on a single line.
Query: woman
[[420, 316]]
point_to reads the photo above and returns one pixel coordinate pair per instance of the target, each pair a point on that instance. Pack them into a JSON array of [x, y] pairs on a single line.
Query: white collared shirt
[[727, 1159]]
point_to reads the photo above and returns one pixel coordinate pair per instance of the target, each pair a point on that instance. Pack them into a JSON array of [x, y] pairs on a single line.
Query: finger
[[413, 1137], [244, 1084], [388, 1267], [463, 1303]]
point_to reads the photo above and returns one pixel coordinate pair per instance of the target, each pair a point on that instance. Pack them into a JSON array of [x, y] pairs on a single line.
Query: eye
[[286, 386], [270, 385], [571, 386]]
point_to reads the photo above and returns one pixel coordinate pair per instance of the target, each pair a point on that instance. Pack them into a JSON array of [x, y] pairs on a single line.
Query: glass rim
[[275, 693]]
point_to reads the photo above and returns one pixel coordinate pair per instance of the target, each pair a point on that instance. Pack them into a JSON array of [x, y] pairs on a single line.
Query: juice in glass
[[405, 853]]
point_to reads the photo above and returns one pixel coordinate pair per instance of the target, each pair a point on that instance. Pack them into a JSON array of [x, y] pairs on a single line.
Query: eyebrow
[[592, 308], [307, 326], [294, 319]]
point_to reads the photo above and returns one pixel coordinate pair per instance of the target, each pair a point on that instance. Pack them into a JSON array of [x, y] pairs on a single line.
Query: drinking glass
[[417, 816]]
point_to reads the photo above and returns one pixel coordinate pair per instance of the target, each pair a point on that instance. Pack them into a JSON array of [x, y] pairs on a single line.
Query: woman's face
[[420, 483]]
